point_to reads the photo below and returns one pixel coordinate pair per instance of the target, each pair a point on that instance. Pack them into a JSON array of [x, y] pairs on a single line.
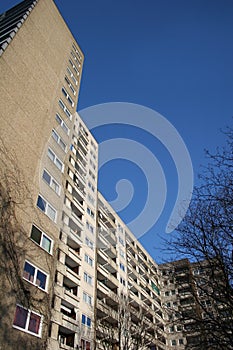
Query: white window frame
[[91, 199], [89, 243], [88, 260], [35, 275], [87, 298], [53, 184], [65, 109], [85, 323], [62, 124], [90, 227], [122, 266], [77, 52], [90, 212], [59, 140], [72, 76], [47, 205], [28, 320], [91, 186], [88, 278], [43, 235], [67, 96], [75, 68], [92, 175], [70, 85], [54, 158]]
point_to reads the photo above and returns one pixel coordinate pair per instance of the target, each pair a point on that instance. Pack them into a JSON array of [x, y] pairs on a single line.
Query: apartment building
[[128, 305], [48, 155], [73, 276]]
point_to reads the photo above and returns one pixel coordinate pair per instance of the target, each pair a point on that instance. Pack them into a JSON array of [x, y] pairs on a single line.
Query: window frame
[[59, 140], [62, 124], [70, 85], [88, 278], [87, 298], [47, 204], [88, 260], [65, 109], [67, 96], [52, 180], [56, 159], [35, 276], [43, 234], [27, 323]]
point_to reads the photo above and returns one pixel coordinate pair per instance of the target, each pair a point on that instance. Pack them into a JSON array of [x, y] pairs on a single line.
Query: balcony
[[66, 338], [109, 264], [108, 234], [106, 310]]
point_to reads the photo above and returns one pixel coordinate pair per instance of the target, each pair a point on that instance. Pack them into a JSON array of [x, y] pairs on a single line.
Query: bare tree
[[205, 236], [15, 199]]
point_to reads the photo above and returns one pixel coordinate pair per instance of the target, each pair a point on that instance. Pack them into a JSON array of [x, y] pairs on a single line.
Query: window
[[72, 76], [87, 278], [122, 281], [91, 199], [88, 260], [90, 212], [75, 68], [77, 52], [59, 140], [181, 341], [65, 109], [27, 321], [51, 182], [93, 145], [122, 254], [91, 186], [43, 205], [90, 227], [34, 275], [120, 229], [62, 123], [92, 175], [70, 85], [75, 58], [122, 267], [173, 342], [93, 164], [87, 298], [53, 157], [67, 96], [172, 329], [89, 243], [121, 241], [92, 154], [85, 344], [41, 238], [173, 292], [166, 293], [86, 320]]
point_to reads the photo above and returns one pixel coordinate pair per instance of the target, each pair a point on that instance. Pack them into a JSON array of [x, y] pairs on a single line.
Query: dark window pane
[[46, 177], [83, 319], [20, 317], [41, 203], [41, 279], [29, 272], [34, 323], [36, 234], [88, 322]]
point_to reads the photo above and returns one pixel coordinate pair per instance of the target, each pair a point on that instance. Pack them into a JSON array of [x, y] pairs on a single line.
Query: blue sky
[[174, 57]]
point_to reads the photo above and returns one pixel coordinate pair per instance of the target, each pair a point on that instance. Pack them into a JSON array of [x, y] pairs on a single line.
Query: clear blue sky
[[175, 57]]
